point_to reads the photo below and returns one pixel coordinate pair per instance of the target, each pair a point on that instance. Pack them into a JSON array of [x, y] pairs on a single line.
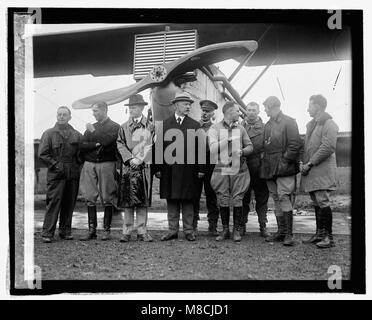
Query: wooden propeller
[[161, 73]]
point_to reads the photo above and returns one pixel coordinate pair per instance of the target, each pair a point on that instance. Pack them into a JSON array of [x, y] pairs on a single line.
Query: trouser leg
[[55, 189], [89, 183], [128, 225], [280, 234], [239, 185], [141, 214], [261, 194], [173, 208], [211, 198], [196, 203], [67, 207], [107, 182], [187, 216], [246, 202]]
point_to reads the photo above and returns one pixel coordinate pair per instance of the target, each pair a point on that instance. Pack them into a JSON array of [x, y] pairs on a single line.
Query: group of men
[[229, 158]]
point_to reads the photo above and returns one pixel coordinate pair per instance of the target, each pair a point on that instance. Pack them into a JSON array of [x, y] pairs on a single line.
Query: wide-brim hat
[[182, 96], [136, 99], [208, 105]]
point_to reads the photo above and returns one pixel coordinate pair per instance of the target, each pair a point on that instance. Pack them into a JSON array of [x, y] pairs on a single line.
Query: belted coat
[[320, 147]]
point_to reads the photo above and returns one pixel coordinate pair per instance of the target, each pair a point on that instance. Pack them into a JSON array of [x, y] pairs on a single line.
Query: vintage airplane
[[170, 57]]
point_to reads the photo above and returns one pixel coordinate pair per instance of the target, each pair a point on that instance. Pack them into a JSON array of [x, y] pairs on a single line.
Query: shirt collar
[[138, 119], [141, 119], [229, 126], [177, 116]]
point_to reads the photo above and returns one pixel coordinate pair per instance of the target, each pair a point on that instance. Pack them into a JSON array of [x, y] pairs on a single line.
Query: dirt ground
[[183, 260]]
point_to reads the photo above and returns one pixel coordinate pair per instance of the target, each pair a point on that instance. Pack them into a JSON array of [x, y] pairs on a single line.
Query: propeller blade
[[161, 73], [113, 96]]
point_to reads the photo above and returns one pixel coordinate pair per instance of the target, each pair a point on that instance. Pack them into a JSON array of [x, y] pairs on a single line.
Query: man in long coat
[[178, 174], [134, 143], [279, 166], [59, 150], [319, 168]]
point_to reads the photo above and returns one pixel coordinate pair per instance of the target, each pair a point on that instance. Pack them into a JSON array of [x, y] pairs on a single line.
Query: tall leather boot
[[280, 234], [107, 218], [327, 241], [92, 223], [237, 218], [288, 218], [225, 219], [243, 225], [315, 238]]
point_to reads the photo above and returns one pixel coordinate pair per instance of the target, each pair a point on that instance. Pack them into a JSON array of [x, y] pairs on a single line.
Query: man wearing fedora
[[208, 109], [98, 175], [178, 175], [134, 143]]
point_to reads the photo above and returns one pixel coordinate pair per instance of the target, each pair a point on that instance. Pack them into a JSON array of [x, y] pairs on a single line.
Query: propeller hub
[[158, 73]]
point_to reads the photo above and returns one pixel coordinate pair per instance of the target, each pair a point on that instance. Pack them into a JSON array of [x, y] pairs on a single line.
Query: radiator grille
[[159, 48]]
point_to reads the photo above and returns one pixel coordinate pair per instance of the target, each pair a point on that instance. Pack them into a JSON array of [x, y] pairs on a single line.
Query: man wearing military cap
[[208, 111], [279, 166], [178, 176]]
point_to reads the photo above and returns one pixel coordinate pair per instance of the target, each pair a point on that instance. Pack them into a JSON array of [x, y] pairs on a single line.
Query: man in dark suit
[[179, 170]]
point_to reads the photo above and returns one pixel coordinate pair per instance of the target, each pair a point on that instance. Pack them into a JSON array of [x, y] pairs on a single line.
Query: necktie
[[179, 121]]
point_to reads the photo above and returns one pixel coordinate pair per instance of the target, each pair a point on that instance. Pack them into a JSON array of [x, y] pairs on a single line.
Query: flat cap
[[208, 105]]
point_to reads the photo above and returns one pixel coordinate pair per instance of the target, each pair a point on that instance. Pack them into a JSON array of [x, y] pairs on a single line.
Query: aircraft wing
[[110, 51]]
